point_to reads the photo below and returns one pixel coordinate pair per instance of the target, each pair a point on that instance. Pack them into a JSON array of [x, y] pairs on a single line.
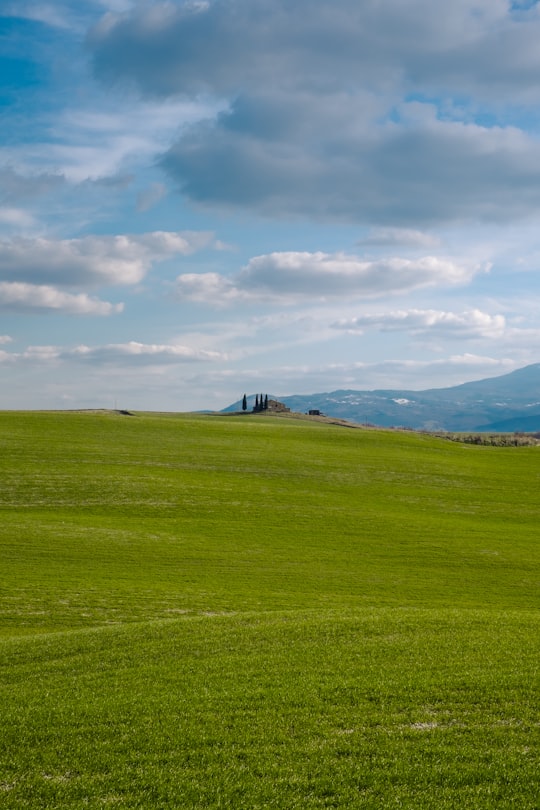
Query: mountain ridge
[[507, 403]]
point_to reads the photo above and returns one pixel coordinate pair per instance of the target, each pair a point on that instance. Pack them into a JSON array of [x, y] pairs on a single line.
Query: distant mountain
[[505, 404]]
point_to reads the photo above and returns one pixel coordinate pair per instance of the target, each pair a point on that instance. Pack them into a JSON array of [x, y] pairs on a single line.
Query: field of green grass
[[202, 611]]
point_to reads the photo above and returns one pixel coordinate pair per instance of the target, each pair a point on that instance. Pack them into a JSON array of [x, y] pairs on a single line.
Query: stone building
[[277, 407]]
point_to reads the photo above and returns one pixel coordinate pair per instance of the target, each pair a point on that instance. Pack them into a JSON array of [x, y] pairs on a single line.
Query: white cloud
[[5, 339], [399, 237], [469, 324], [340, 274], [209, 288], [137, 353], [21, 297], [93, 260], [132, 353], [39, 354], [290, 276]]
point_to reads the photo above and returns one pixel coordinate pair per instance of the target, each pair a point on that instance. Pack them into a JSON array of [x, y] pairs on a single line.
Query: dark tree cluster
[[261, 403]]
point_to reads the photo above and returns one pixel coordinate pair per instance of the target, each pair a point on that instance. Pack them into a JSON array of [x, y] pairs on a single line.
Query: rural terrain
[[255, 611], [510, 402]]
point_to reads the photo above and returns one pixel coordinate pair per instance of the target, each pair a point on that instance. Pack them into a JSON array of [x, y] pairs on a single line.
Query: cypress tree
[[266, 402], [256, 408], [244, 403]]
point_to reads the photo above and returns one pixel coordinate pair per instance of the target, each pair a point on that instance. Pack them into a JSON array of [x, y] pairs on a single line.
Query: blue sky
[[205, 198]]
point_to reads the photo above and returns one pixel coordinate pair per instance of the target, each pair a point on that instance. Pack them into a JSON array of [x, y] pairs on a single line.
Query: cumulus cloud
[[346, 132], [401, 173], [93, 260], [141, 354], [302, 275], [21, 297], [469, 324], [132, 353], [191, 48], [209, 288]]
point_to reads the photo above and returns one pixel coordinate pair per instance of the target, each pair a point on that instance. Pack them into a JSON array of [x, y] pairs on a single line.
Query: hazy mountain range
[[507, 403]]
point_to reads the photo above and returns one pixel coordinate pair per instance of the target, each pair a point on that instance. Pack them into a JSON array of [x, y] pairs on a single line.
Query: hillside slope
[[210, 513], [209, 612]]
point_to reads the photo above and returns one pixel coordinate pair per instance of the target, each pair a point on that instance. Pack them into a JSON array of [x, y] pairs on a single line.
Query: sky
[[206, 198]]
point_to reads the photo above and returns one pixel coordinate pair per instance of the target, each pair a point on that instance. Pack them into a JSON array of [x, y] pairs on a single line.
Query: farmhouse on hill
[[262, 403], [277, 407]]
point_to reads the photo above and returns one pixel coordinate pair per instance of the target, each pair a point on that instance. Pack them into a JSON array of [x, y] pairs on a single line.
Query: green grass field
[[257, 612]]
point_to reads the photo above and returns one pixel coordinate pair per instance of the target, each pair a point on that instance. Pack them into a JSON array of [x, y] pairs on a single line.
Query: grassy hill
[[246, 612]]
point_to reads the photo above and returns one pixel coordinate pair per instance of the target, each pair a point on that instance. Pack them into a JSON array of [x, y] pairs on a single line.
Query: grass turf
[[255, 612]]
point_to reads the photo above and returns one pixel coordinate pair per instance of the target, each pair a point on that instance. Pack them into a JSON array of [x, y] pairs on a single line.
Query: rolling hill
[[233, 613]]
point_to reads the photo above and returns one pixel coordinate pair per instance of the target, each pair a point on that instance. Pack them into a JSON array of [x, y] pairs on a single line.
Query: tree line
[[261, 403]]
